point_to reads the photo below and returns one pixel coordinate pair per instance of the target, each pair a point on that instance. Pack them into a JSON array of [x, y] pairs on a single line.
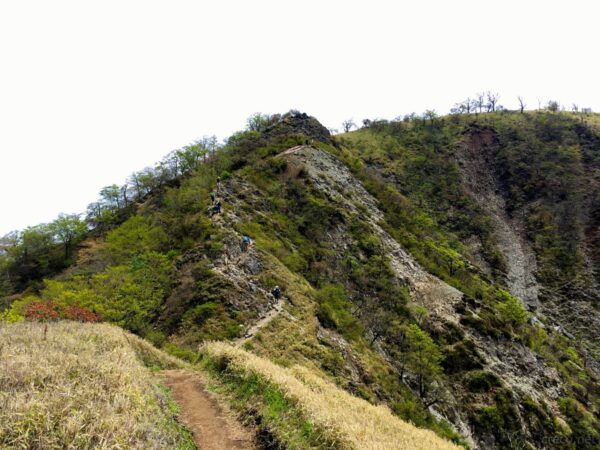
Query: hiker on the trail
[[218, 207], [219, 185], [276, 292], [246, 241], [213, 197]]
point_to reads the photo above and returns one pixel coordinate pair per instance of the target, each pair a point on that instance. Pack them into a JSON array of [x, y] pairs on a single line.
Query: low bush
[[481, 381]]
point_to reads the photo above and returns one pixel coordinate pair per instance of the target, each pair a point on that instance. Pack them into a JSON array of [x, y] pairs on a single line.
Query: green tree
[[34, 255], [511, 310], [6, 286], [68, 229], [7, 246], [553, 106], [422, 357], [111, 196], [378, 320], [257, 122], [189, 157]]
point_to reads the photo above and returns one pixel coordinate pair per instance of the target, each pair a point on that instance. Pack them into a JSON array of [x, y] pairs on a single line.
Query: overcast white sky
[[92, 91]]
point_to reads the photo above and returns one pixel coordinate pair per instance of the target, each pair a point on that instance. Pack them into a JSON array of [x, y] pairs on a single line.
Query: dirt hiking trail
[[271, 314], [212, 428]]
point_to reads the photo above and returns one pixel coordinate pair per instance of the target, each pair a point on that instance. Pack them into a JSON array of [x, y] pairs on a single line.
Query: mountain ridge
[[395, 240]]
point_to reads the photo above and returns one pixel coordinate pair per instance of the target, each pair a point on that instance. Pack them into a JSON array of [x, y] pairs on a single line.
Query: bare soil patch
[[212, 427]]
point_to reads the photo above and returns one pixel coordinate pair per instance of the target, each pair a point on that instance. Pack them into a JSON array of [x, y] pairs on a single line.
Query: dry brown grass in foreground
[[353, 421], [84, 386]]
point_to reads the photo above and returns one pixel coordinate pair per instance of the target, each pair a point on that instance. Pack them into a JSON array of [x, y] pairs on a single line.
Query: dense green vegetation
[[546, 162], [144, 234], [543, 160], [37, 252]]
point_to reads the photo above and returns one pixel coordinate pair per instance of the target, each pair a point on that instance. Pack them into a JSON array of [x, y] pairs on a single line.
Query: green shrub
[[500, 421], [461, 357], [134, 237], [481, 381], [511, 310], [335, 311], [586, 430], [201, 313]]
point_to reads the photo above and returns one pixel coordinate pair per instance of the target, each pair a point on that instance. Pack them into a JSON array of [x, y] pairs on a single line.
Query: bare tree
[[575, 108], [347, 125], [209, 144], [124, 194], [470, 105], [492, 100], [480, 101], [522, 104]]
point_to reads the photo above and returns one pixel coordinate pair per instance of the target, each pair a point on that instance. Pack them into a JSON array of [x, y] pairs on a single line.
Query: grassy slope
[[89, 386], [352, 422], [83, 386]]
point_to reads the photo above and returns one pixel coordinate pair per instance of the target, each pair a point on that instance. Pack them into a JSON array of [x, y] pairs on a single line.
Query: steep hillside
[[443, 267], [519, 191]]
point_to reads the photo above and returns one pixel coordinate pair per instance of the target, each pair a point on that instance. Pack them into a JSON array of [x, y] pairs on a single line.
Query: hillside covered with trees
[[446, 267]]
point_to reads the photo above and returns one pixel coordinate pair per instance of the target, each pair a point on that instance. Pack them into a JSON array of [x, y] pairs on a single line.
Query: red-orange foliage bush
[[49, 310], [81, 314], [42, 311]]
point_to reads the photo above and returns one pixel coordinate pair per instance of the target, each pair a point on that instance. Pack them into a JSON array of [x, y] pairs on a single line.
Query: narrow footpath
[[212, 428]]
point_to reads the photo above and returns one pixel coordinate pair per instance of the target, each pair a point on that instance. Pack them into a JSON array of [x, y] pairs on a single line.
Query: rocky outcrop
[[299, 123], [569, 310], [516, 365], [475, 157]]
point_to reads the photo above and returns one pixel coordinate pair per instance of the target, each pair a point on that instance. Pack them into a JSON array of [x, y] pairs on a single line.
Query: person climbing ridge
[[246, 242], [213, 197], [276, 292], [218, 207], [219, 185]]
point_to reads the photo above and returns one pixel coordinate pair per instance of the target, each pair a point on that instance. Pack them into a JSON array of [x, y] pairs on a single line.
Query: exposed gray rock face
[[517, 366], [475, 161], [572, 313], [333, 178]]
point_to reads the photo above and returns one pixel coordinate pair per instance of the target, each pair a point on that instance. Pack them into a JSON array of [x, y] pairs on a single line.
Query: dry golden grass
[[353, 421], [84, 386]]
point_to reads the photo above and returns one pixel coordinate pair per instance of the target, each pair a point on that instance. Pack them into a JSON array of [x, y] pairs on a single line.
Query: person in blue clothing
[[246, 242]]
